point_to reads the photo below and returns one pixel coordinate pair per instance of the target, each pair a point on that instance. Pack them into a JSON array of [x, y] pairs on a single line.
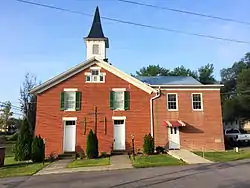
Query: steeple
[[96, 42]]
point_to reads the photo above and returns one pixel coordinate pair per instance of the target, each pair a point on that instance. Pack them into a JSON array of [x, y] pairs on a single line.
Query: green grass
[[225, 156], [14, 168], [155, 160], [89, 162]]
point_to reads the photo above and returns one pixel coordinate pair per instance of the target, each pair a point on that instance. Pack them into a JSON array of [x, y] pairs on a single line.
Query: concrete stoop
[[188, 156]]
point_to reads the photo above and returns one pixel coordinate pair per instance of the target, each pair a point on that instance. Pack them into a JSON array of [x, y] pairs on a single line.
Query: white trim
[[177, 107], [87, 73], [118, 118], [64, 125], [95, 68], [191, 89], [82, 66], [69, 118], [201, 102], [70, 89], [118, 89], [190, 86]]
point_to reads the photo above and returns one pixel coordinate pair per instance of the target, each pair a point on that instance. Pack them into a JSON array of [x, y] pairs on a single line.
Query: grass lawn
[[225, 156], [155, 160], [89, 162], [17, 168]]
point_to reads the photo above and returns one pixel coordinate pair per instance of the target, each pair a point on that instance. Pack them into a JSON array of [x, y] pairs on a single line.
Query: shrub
[[160, 149], [37, 149], [104, 154], [23, 144], [92, 145], [13, 137], [148, 146]]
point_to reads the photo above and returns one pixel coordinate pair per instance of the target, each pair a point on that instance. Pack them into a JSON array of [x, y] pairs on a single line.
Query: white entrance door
[[174, 138], [119, 135], [69, 136]]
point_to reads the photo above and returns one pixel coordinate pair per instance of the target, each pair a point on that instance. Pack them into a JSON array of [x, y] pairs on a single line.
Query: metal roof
[[169, 80]]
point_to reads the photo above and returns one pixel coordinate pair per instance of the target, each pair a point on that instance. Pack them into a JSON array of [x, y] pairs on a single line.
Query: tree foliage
[[23, 144], [6, 114], [37, 149], [28, 100], [92, 145], [204, 73], [148, 145]]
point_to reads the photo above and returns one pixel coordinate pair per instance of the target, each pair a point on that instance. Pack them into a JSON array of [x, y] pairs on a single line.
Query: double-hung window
[[172, 102], [119, 99], [70, 100], [197, 101]]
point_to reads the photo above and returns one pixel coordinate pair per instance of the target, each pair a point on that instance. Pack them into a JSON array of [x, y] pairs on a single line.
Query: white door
[[69, 136], [174, 138], [119, 135]]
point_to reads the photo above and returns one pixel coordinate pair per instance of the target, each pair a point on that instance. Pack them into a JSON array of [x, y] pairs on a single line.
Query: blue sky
[[46, 42]]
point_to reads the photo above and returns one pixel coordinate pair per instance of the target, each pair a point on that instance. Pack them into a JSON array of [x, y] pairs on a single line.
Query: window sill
[[95, 81], [70, 110], [118, 109], [197, 110], [173, 110]]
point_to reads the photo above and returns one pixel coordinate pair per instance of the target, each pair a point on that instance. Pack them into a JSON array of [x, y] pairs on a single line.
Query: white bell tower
[[96, 42]]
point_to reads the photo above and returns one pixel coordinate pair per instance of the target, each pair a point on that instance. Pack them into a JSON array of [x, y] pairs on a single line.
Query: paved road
[[223, 175]]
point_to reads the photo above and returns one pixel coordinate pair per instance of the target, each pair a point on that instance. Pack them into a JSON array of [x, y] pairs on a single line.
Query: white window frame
[[177, 107], [201, 101], [70, 90], [91, 77], [120, 90]]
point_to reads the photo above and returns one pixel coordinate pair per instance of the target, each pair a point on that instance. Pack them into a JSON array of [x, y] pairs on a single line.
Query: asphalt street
[[216, 175]]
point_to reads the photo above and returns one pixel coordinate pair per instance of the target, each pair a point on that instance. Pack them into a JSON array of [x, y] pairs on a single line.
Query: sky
[[46, 42]]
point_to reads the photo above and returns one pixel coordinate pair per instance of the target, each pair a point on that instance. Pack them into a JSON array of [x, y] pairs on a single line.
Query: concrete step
[[67, 155]]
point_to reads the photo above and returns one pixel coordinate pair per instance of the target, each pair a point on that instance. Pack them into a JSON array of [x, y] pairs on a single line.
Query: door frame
[[64, 119], [179, 139], [119, 118]]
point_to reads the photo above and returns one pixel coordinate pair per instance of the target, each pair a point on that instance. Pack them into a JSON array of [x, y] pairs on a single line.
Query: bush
[[37, 149], [92, 145], [148, 146], [13, 137], [160, 149], [23, 144], [104, 154]]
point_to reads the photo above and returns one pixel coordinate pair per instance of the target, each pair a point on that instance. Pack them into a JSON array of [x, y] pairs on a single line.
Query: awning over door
[[174, 123]]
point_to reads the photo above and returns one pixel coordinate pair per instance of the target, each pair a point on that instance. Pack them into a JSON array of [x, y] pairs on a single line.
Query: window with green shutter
[[62, 100], [111, 100], [127, 100], [78, 100]]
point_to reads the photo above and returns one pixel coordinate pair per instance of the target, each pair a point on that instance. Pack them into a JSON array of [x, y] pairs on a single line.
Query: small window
[[70, 100], [87, 78], [94, 72], [118, 122], [95, 49], [197, 101], [70, 122], [172, 101]]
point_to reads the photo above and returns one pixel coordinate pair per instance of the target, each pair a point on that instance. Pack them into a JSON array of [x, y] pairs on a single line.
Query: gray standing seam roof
[[169, 80]]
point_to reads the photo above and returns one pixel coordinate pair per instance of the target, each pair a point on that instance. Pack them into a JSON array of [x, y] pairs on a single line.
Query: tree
[[152, 70], [206, 74], [92, 145], [182, 71], [148, 145], [23, 144], [37, 149], [6, 116], [28, 100]]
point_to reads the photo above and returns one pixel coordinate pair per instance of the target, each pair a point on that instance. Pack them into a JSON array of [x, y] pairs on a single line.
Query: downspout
[[158, 94]]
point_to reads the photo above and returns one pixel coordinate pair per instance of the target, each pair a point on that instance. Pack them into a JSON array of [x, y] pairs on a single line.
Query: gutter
[[158, 94]]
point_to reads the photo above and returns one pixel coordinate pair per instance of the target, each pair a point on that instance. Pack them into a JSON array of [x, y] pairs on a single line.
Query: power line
[[137, 24], [186, 12]]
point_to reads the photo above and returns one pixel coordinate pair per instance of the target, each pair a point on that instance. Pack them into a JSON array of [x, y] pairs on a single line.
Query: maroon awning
[[174, 123]]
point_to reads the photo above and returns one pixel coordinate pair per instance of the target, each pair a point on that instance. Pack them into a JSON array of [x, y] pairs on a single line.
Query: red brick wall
[[49, 117], [204, 129]]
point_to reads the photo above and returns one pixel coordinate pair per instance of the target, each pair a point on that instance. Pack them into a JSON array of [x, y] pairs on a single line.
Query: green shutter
[[62, 104], [78, 100], [111, 100], [127, 100]]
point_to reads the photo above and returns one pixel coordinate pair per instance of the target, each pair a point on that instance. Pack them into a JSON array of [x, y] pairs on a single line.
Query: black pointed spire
[[96, 29]]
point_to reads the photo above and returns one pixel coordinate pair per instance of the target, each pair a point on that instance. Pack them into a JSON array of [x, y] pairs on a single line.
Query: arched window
[[95, 49]]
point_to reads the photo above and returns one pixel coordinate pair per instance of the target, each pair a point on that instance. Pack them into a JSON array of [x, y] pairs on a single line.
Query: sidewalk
[[188, 156], [116, 162]]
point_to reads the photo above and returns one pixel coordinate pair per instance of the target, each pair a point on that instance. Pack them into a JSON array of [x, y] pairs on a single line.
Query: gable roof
[[82, 66], [169, 80]]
